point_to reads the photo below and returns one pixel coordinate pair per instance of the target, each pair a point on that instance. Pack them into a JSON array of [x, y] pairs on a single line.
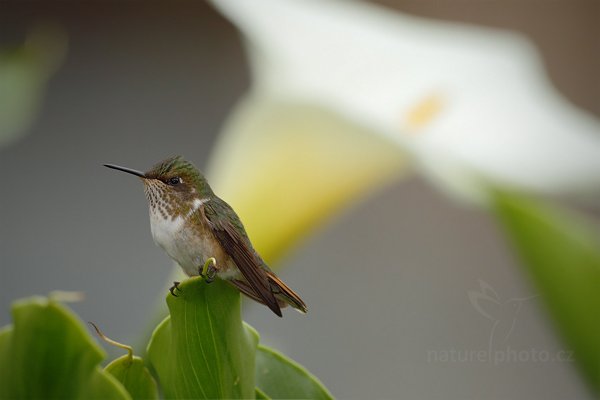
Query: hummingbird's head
[[172, 185]]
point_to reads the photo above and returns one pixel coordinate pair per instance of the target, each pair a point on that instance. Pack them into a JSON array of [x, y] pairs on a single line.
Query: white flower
[[286, 167], [468, 103], [343, 91]]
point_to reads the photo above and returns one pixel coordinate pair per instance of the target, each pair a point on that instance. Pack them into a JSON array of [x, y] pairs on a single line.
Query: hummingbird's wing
[[229, 231]]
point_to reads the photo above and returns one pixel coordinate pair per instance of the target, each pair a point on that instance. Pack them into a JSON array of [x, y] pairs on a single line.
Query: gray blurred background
[[387, 283]]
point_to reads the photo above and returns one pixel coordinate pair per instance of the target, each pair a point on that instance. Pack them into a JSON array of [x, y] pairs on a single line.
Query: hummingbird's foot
[[209, 270], [210, 275], [175, 287]]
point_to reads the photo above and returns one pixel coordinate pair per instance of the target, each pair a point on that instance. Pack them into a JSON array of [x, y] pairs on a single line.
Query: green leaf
[[202, 350], [561, 252], [24, 73], [49, 354], [134, 376], [260, 395], [279, 377]]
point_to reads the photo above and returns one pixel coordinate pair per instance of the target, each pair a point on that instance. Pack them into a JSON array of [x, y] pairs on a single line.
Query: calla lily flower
[[286, 168], [343, 90]]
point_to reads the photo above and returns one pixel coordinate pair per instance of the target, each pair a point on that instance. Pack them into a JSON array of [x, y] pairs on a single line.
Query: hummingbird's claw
[[174, 287], [210, 275], [209, 270]]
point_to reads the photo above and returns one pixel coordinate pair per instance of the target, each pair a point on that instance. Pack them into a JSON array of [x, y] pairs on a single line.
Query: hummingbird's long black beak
[[128, 170]]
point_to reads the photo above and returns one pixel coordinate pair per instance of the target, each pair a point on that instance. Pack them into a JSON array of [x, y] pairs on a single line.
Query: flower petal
[[494, 116], [285, 168]]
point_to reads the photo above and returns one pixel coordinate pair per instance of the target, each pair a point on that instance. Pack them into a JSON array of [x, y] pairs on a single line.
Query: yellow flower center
[[424, 111]]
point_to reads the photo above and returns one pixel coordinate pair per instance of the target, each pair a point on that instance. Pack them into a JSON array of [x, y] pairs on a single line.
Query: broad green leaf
[[24, 73], [203, 350], [48, 353], [279, 377], [134, 376], [260, 395], [562, 254]]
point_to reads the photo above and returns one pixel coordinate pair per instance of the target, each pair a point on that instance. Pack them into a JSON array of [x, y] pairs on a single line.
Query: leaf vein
[[187, 342]]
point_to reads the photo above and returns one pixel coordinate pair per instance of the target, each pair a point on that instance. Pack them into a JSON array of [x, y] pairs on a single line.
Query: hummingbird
[[204, 235]]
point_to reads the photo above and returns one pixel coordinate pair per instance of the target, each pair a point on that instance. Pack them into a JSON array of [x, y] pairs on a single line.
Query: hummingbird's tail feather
[[248, 290], [283, 292]]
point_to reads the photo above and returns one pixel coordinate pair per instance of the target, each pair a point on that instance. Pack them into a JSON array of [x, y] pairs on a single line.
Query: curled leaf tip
[[113, 342], [65, 296]]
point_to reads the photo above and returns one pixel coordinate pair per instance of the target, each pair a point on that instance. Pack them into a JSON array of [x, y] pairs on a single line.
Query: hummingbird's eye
[[174, 181]]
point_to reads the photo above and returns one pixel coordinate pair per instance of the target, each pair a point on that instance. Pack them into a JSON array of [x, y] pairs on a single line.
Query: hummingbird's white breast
[[181, 243], [166, 231]]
